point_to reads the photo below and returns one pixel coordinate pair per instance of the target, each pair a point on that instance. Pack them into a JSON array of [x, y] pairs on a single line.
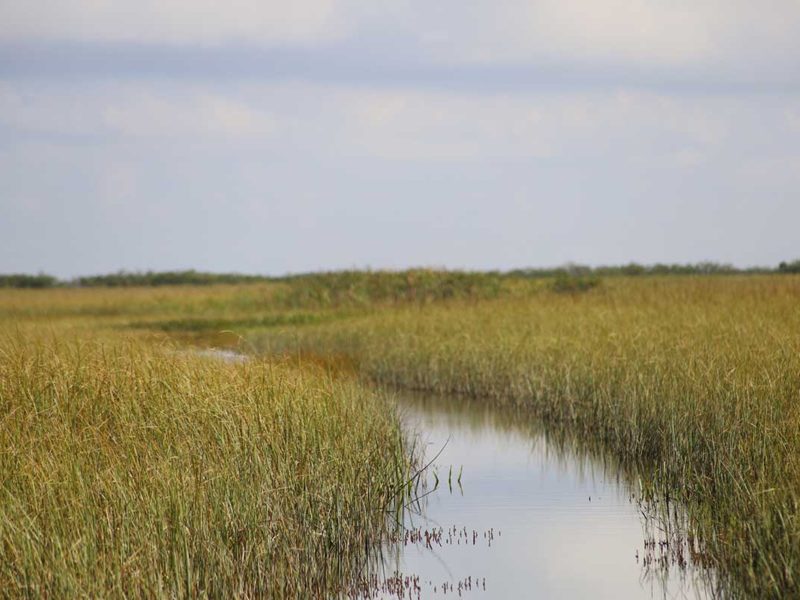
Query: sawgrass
[[133, 468], [693, 382]]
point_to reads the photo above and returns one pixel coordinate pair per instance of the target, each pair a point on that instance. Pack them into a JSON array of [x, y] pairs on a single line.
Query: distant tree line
[[333, 285], [21, 280], [158, 278], [634, 269], [790, 267], [127, 279]]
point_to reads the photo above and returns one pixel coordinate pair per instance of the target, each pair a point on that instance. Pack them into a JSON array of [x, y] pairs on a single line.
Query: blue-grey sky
[[274, 137]]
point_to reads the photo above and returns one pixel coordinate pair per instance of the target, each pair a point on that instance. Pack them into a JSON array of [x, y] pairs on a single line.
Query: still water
[[529, 519]]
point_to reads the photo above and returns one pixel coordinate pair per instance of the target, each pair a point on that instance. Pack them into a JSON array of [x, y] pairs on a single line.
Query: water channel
[[530, 518]]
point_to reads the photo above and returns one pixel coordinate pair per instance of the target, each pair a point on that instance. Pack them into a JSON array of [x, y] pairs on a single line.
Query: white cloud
[[306, 125], [676, 33], [411, 125], [637, 31], [35, 111], [415, 125], [146, 114], [130, 110], [345, 175], [171, 21], [739, 36], [395, 124]]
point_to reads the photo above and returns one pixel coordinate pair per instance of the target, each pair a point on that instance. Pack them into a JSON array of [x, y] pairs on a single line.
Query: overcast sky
[[272, 137]]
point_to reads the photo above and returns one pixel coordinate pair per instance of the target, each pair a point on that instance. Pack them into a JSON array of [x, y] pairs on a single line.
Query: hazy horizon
[[277, 138], [367, 268]]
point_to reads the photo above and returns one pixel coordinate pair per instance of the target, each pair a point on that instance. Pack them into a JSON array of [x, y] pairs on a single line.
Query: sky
[[273, 137]]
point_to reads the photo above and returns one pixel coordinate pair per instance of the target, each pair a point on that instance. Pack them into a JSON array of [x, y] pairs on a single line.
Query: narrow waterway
[[530, 518]]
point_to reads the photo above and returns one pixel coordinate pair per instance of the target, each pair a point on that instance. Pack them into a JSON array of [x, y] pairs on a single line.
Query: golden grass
[[131, 468], [694, 381], [691, 382]]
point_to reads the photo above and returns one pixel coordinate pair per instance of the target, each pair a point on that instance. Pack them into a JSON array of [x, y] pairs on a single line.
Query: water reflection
[[531, 517]]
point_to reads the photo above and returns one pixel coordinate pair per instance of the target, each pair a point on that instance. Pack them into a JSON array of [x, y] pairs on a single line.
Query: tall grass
[[694, 381], [370, 288], [130, 469]]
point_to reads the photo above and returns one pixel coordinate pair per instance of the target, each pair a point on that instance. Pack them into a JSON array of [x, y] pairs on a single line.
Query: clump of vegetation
[[21, 280], [566, 283], [363, 288], [132, 469], [790, 267]]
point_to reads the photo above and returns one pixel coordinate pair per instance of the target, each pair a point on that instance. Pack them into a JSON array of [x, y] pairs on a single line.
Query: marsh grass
[[263, 321], [693, 382], [130, 469], [382, 288], [565, 283]]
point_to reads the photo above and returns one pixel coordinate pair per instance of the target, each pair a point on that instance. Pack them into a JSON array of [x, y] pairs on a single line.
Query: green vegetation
[[691, 382], [566, 283], [20, 280], [207, 325], [132, 468], [151, 278], [365, 286], [790, 267], [636, 270]]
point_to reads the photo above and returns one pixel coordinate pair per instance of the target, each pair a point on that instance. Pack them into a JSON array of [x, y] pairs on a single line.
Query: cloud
[[419, 125], [147, 114], [738, 37], [127, 110], [632, 33], [171, 21], [288, 176], [405, 124]]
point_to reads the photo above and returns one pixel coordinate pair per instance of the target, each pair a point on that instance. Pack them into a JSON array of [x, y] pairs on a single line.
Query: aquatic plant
[[131, 469], [693, 380]]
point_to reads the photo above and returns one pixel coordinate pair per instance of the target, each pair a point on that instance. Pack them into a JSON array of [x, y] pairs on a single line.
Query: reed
[[694, 381], [691, 382], [132, 468]]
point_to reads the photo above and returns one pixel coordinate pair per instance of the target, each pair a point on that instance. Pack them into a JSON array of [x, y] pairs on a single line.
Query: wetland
[[512, 511], [670, 400]]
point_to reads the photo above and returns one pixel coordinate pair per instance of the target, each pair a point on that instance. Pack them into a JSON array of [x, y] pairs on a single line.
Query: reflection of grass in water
[[692, 380], [670, 556], [669, 542]]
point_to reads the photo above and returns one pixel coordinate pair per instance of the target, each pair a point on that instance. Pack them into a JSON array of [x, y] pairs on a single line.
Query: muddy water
[[529, 519]]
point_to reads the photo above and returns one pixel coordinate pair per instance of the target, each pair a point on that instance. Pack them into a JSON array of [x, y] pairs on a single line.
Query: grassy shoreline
[[696, 381], [692, 381]]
